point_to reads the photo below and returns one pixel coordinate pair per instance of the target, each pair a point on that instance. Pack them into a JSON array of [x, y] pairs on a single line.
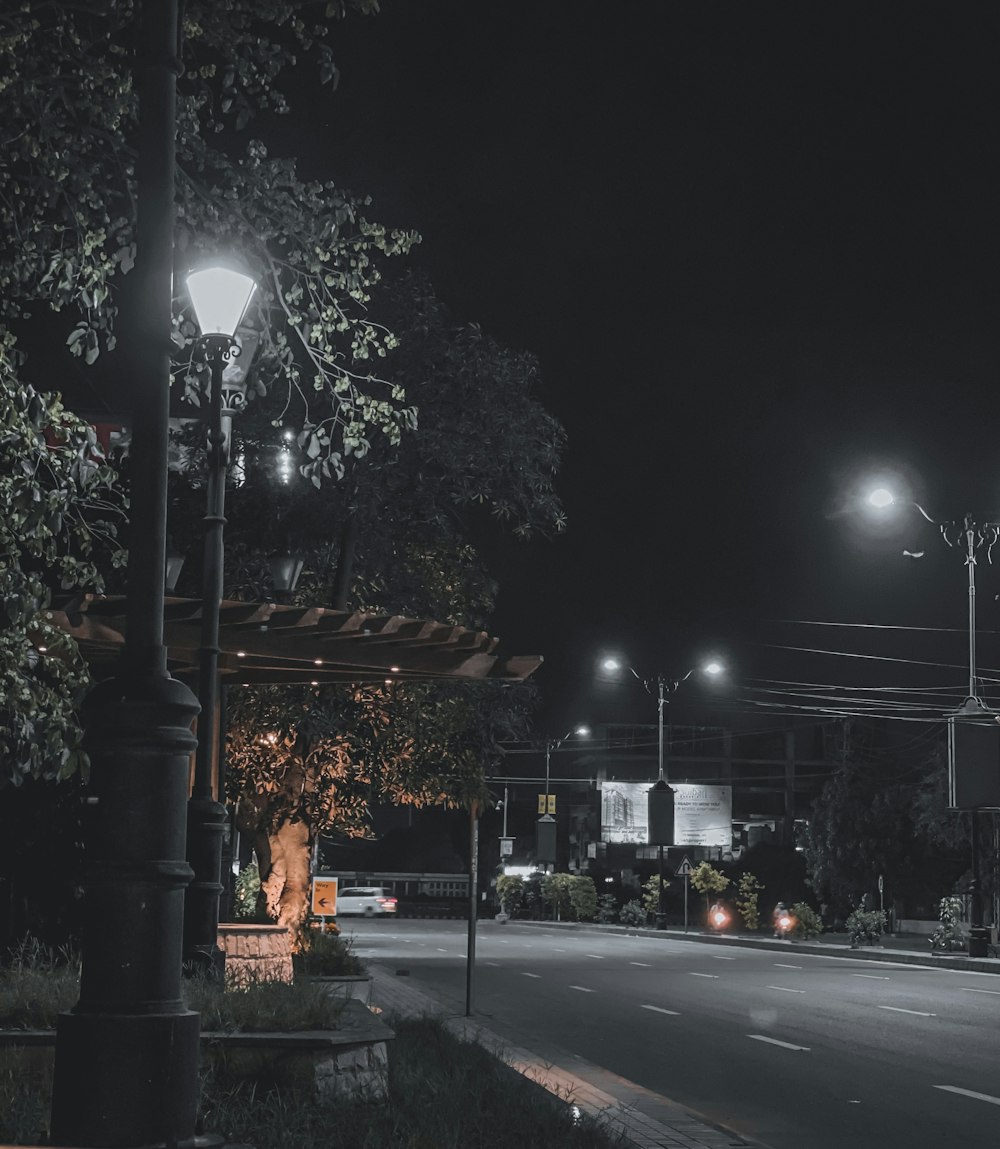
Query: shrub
[[510, 891], [651, 893], [556, 893], [808, 923], [949, 935], [706, 879], [262, 1005], [864, 926], [607, 909], [747, 900], [632, 913], [583, 897], [326, 955]]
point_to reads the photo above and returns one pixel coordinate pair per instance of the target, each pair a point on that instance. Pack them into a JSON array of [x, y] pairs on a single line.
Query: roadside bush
[[949, 936], [607, 909], [262, 1005], [747, 900], [510, 891], [651, 893], [864, 926], [583, 897], [326, 955], [632, 913], [556, 893], [808, 923]]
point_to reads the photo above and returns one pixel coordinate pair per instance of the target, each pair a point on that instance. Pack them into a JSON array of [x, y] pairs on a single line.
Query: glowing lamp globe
[[220, 297], [881, 497]]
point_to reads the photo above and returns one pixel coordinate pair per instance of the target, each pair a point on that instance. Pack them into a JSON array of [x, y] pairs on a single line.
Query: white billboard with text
[[703, 815]]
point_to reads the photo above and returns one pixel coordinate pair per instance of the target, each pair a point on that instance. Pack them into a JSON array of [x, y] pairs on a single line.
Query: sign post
[[684, 871]]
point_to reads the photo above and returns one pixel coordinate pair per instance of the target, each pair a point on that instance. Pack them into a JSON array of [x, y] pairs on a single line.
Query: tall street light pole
[[661, 796], [546, 825], [126, 1063], [972, 743], [220, 296]]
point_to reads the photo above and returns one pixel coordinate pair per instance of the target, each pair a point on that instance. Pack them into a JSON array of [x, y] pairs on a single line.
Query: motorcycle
[[718, 919], [784, 923]]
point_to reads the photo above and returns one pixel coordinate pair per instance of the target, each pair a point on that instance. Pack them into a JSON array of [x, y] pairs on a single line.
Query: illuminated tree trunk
[[283, 856]]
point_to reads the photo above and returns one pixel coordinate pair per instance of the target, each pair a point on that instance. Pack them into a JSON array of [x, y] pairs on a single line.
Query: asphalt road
[[799, 1051]]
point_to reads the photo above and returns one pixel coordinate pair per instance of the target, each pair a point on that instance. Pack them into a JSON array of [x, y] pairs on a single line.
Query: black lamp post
[[126, 1064], [285, 571], [219, 296], [661, 796], [973, 740]]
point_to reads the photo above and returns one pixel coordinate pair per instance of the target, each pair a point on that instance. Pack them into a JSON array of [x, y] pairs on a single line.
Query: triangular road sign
[[684, 869]]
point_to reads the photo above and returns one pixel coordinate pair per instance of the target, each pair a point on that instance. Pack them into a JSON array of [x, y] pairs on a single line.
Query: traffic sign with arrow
[[324, 897], [684, 869]]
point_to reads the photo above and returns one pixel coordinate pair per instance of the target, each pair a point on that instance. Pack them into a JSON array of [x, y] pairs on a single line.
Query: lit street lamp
[[972, 729], [661, 797], [219, 296], [546, 826]]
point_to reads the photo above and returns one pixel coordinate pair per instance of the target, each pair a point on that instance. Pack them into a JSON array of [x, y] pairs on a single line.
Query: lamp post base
[[979, 942]]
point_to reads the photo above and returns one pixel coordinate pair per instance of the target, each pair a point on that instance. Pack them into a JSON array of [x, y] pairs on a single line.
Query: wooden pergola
[[271, 643]]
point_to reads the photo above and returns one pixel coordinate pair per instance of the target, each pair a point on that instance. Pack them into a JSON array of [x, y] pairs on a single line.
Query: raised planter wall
[[257, 952]]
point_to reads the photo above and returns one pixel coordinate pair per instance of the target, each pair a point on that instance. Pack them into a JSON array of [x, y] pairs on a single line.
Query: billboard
[[703, 815]]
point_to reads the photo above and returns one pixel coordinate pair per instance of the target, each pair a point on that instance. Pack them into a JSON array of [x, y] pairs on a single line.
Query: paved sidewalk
[[646, 1119]]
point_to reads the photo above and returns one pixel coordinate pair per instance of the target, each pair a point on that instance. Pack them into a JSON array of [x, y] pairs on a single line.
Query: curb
[[865, 953]]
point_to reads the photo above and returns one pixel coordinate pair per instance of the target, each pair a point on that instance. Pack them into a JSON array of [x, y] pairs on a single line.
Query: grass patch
[[262, 1005], [444, 1093], [36, 985]]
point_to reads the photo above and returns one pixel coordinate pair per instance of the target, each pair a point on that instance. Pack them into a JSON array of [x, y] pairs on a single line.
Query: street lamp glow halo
[[713, 668], [220, 296], [881, 497]]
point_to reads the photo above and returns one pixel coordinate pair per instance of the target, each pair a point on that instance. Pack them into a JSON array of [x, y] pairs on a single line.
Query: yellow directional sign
[[324, 897]]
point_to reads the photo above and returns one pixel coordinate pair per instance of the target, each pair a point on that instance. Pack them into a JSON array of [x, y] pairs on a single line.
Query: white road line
[[775, 1041], [915, 1012], [496, 963], [600, 957], [969, 1093], [524, 973], [646, 965], [558, 950], [440, 950], [712, 975], [969, 989], [871, 976], [785, 989], [582, 989], [785, 965], [722, 957], [660, 1009]]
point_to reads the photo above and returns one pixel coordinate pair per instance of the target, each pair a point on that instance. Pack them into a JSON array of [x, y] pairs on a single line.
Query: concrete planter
[[351, 1061], [257, 952], [323, 1065], [349, 987]]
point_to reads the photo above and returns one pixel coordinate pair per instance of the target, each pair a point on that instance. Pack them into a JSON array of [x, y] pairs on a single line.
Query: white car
[[367, 900]]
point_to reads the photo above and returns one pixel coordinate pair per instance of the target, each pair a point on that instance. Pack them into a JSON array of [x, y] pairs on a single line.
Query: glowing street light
[[661, 797]]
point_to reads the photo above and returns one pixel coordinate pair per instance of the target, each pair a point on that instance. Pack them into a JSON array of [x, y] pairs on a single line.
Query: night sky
[[756, 249]]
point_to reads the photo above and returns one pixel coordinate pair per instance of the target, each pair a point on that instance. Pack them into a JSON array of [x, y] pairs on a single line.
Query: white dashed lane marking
[[660, 1009], [915, 1012], [524, 973], [785, 965], [644, 964], [600, 957], [785, 989], [723, 957], [969, 989], [496, 963], [712, 975], [871, 976], [582, 989], [775, 1041], [969, 1093]]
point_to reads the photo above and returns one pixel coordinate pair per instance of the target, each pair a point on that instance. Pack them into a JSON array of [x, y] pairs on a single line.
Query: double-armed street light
[[973, 734], [220, 296], [661, 797], [546, 826]]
